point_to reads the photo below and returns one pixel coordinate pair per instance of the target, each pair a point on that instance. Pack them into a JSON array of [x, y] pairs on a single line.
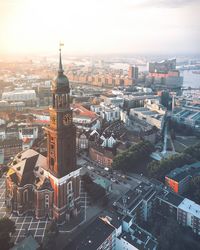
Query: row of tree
[[133, 156], [7, 228], [194, 189], [183, 129], [158, 169], [50, 238], [194, 151], [171, 235]]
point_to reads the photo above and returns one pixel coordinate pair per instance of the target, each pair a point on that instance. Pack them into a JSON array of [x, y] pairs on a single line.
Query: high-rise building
[[49, 186], [163, 66], [133, 72], [164, 74]]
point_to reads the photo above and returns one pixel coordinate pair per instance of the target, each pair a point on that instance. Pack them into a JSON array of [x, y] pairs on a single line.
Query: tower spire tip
[[60, 58]]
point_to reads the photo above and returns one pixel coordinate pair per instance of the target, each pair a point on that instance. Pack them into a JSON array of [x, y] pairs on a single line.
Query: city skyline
[[100, 27]]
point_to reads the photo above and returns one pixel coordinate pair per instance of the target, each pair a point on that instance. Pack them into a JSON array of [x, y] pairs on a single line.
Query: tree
[[133, 155], [52, 227], [49, 242], [165, 99], [94, 190], [194, 189], [194, 151], [158, 169], [7, 228]]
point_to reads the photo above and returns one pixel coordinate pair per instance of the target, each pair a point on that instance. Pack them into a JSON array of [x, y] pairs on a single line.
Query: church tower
[[62, 132], [61, 149]]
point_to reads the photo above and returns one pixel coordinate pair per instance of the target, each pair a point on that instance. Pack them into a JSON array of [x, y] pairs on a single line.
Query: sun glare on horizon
[[93, 26]]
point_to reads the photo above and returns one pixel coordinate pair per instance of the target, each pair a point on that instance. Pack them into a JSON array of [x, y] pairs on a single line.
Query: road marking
[[44, 229], [36, 228], [30, 223], [19, 231]]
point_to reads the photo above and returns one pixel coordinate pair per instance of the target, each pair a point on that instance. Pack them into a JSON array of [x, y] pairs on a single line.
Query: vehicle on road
[[89, 167], [113, 179]]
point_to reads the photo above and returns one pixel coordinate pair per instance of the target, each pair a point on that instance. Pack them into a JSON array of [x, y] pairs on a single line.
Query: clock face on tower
[[67, 119]]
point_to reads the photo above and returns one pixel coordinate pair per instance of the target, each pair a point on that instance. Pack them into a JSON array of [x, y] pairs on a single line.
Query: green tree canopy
[[49, 242], [133, 155], [158, 169], [194, 151], [94, 190], [194, 189], [7, 228]]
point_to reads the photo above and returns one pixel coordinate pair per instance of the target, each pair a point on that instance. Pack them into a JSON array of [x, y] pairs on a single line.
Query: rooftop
[[127, 218], [10, 143], [92, 237], [139, 238], [179, 174], [79, 110], [114, 218], [105, 183], [190, 207], [133, 198], [172, 198], [27, 168]]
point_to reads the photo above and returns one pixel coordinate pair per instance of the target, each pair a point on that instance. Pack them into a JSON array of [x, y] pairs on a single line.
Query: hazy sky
[[100, 26]]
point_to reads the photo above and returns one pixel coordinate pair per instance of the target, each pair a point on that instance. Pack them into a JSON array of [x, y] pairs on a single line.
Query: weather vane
[[60, 45]]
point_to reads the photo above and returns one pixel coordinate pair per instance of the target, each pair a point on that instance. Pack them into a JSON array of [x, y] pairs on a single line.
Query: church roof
[[27, 168], [45, 185]]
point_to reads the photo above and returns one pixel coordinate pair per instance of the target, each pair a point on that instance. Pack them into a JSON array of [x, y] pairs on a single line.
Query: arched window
[[25, 196], [69, 187], [46, 201]]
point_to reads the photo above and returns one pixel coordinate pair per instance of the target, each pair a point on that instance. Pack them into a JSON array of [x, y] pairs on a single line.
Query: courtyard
[[28, 224]]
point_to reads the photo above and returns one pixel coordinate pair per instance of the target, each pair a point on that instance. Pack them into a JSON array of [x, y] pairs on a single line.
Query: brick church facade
[[48, 186]]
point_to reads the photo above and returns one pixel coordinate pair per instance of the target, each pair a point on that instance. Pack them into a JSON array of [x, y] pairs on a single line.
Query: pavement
[[121, 182], [38, 227], [23, 223]]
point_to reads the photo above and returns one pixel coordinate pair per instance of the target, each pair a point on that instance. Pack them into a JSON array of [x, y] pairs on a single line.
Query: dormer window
[[14, 162], [36, 168], [37, 179]]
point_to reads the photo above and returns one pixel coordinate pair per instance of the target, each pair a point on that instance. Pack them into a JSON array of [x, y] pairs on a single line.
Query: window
[[70, 201], [25, 196], [46, 201], [52, 162], [69, 187]]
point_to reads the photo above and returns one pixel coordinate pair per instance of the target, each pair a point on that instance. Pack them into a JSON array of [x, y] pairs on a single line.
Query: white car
[[90, 168]]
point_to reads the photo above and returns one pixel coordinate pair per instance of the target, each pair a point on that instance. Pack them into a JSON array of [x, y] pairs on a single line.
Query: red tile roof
[[78, 109]]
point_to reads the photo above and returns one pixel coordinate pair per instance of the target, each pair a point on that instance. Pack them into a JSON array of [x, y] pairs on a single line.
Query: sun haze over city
[[100, 26], [99, 124]]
